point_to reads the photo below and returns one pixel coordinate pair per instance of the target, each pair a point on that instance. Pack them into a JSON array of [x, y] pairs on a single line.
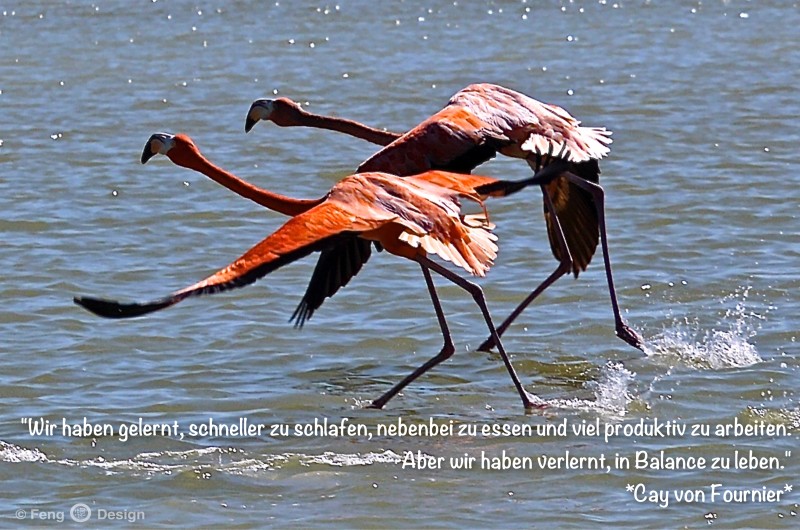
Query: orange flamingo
[[409, 217], [477, 123]]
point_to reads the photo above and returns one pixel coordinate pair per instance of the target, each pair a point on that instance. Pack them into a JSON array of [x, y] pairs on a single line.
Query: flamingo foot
[[376, 404], [532, 402], [626, 333]]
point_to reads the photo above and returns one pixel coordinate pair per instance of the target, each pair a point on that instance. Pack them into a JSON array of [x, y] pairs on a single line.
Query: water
[[703, 227]]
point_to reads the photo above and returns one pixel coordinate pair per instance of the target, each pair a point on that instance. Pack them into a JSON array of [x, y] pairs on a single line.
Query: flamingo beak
[[157, 143], [148, 152], [259, 110], [248, 123]]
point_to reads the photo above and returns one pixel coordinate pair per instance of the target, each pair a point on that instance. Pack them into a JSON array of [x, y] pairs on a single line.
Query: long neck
[[268, 199], [353, 128]]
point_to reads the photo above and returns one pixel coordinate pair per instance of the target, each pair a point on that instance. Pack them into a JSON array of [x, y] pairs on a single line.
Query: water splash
[[611, 390], [352, 459], [215, 458], [16, 454], [788, 417], [728, 346]]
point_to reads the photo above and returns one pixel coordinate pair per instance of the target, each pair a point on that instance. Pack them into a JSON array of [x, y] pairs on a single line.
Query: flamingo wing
[[577, 214], [479, 121], [452, 140], [335, 268], [338, 264], [532, 126], [436, 192], [464, 185], [316, 229]]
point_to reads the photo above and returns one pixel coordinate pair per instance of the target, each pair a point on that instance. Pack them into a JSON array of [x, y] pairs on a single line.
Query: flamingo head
[[157, 144], [281, 111], [175, 146]]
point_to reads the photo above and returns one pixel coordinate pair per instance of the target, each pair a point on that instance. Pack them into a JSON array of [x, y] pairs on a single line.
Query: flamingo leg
[[448, 349], [624, 331], [563, 268], [528, 400]]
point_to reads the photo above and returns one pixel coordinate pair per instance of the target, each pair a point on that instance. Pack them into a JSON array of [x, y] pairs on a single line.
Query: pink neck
[[268, 199], [350, 127]]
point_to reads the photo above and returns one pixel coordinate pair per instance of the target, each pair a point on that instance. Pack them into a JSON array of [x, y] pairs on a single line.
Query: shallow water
[[703, 227]]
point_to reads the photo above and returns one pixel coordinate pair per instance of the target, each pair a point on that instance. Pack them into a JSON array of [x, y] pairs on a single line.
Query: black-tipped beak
[[157, 143], [249, 122], [148, 152], [259, 110]]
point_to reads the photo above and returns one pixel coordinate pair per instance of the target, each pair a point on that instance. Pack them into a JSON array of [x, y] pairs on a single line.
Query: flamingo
[[409, 217], [478, 122]]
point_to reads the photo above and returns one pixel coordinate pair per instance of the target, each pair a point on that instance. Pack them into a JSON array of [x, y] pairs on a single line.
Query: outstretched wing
[[316, 229]]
